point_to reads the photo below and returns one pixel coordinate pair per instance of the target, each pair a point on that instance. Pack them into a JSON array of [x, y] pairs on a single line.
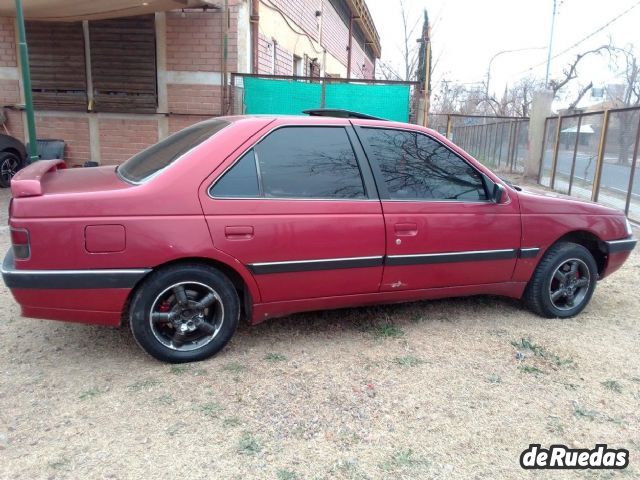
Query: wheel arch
[[591, 242], [15, 152], [245, 291]]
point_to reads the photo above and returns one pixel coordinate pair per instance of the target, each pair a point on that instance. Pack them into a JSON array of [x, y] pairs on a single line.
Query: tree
[[570, 73], [409, 49]]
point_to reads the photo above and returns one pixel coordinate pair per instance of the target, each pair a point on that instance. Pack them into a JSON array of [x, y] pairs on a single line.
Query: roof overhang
[[362, 16], [73, 10]]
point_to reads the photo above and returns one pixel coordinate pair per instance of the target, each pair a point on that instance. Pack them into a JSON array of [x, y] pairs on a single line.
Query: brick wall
[[194, 99], [193, 41], [10, 95], [358, 59], [123, 138], [335, 33], [335, 37], [284, 61], [301, 12], [178, 122], [7, 42], [265, 55], [10, 89], [74, 131]]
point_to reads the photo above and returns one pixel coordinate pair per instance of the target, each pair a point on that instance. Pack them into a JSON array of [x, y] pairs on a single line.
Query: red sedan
[[259, 217]]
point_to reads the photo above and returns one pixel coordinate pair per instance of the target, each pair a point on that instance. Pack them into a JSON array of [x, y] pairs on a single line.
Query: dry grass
[[444, 389]]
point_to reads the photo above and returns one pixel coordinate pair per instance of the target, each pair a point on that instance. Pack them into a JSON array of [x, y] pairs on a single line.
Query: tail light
[[20, 243]]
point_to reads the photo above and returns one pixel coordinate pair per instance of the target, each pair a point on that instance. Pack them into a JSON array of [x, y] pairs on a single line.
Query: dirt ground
[[422, 390]]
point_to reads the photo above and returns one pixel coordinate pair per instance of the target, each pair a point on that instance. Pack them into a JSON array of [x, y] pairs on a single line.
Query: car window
[[416, 167], [241, 181], [150, 161], [309, 162]]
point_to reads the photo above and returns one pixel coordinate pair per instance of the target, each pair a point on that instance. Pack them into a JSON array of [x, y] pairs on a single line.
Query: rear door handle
[[238, 232], [406, 229]]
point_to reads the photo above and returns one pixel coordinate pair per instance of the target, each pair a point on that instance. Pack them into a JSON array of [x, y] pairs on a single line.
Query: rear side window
[[296, 162], [152, 160], [241, 181], [417, 167], [309, 162]]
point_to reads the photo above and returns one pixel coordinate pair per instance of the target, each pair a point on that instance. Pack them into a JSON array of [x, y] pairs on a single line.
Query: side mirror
[[498, 193]]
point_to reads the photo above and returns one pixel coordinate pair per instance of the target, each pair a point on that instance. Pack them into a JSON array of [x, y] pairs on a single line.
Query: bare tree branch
[[571, 72], [581, 94]]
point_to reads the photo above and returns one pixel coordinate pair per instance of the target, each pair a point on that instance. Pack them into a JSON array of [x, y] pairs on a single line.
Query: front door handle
[[238, 232], [406, 229]]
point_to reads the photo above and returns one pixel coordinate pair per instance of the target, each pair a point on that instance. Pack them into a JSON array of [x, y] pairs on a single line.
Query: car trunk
[[47, 188]]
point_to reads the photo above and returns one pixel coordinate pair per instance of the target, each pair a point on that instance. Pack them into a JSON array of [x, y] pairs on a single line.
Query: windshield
[[150, 161]]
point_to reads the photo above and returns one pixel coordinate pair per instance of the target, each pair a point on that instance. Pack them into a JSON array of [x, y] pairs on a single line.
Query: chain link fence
[[593, 156]]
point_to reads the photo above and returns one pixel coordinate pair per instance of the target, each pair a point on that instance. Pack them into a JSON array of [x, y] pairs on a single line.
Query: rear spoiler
[[28, 181]]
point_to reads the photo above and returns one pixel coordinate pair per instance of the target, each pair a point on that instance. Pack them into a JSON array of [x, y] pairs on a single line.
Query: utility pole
[[553, 24], [426, 43], [26, 84]]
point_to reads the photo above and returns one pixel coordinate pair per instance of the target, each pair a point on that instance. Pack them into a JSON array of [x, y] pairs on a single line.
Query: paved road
[[613, 175]]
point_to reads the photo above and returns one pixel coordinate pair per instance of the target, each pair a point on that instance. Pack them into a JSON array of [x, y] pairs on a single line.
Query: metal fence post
[[512, 145], [501, 141], [556, 148], [601, 147], [26, 84], [485, 137], [495, 144], [575, 154], [633, 169]]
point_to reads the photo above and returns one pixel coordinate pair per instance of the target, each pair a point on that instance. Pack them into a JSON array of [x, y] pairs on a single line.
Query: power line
[[595, 32]]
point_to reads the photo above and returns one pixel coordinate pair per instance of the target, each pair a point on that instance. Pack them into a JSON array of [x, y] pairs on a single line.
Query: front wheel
[[563, 282], [184, 313]]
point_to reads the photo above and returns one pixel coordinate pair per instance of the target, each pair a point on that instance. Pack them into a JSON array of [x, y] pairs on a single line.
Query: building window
[[58, 69], [123, 64], [297, 66], [314, 68], [122, 68]]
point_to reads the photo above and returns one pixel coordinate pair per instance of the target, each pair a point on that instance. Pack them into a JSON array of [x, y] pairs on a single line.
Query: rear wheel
[[10, 163], [563, 282], [184, 313]]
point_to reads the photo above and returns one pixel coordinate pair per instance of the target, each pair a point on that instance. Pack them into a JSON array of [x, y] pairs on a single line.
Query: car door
[[300, 210], [442, 228]]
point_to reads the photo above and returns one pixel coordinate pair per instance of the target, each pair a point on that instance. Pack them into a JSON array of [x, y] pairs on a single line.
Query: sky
[[466, 34]]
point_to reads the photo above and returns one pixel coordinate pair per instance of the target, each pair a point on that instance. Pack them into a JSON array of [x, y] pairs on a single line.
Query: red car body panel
[[89, 220]]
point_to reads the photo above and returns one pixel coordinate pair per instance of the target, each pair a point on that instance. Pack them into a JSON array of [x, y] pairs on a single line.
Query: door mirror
[[498, 193]]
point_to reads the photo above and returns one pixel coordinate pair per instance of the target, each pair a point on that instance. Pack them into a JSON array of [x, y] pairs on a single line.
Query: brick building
[[110, 87]]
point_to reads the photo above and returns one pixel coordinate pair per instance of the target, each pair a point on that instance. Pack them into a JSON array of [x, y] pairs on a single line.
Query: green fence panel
[[282, 97], [385, 101]]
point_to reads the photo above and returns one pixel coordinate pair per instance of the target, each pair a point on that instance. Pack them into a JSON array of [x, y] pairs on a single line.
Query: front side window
[[417, 167], [152, 160], [309, 162]]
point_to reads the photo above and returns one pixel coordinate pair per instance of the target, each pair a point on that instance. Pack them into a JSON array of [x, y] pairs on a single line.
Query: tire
[[184, 327], [10, 163], [563, 282]]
